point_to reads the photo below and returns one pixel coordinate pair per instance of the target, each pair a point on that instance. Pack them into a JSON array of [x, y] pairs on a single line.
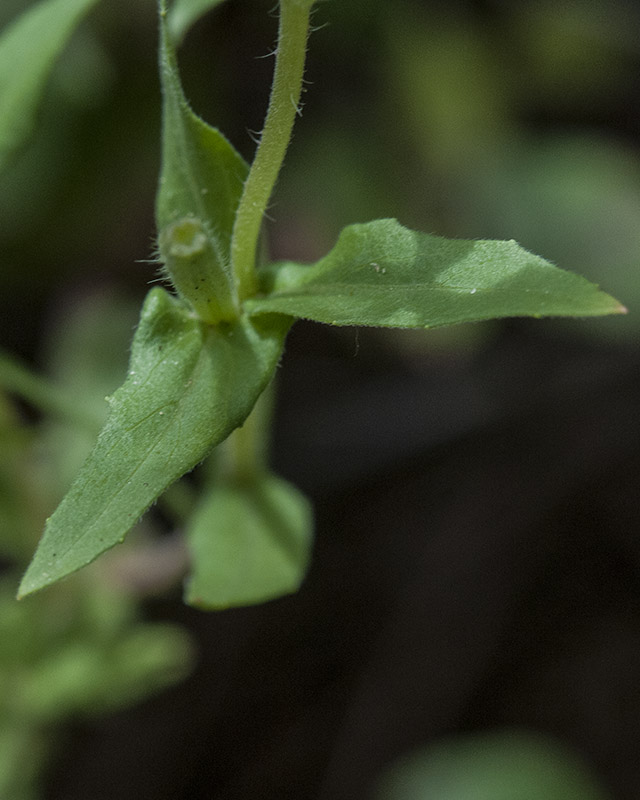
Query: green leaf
[[200, 187], [383, 274], [183, 14], [189, 386], [28, 50], [250, 542], [491, 766]]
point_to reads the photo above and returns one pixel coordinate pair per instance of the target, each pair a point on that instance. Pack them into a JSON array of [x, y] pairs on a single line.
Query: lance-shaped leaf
[[189, 386], [200, 186], [383, 274], [250, 542], [184, 13], [28, 50]]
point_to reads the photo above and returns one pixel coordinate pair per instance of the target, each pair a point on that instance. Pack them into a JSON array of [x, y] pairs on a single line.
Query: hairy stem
[[281, 114]]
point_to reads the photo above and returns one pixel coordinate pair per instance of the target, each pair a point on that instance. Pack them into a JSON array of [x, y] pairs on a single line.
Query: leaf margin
[[306, 291], [141, 490]]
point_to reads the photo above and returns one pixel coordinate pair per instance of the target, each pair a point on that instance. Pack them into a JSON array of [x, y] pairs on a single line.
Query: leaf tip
[[614, 306], [37, 577], [27, 587]]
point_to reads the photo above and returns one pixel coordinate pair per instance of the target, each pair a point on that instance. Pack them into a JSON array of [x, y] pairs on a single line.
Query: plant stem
[[244, 455], [281, 114], [43, 394]]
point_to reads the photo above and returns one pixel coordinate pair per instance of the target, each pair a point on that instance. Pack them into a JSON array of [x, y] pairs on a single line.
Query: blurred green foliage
[[505, 765], [81, 649]]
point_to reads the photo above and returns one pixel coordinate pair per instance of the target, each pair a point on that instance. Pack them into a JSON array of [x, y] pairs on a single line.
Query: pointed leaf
[[383, 274], [200, 186], [188, 387], [184, 13], [28, 50], [250, 542]]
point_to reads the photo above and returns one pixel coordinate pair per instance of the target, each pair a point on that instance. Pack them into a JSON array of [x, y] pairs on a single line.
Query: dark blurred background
[[477, 561]]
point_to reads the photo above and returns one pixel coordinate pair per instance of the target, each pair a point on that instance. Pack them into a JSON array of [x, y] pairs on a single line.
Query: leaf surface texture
[[382, 274]]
